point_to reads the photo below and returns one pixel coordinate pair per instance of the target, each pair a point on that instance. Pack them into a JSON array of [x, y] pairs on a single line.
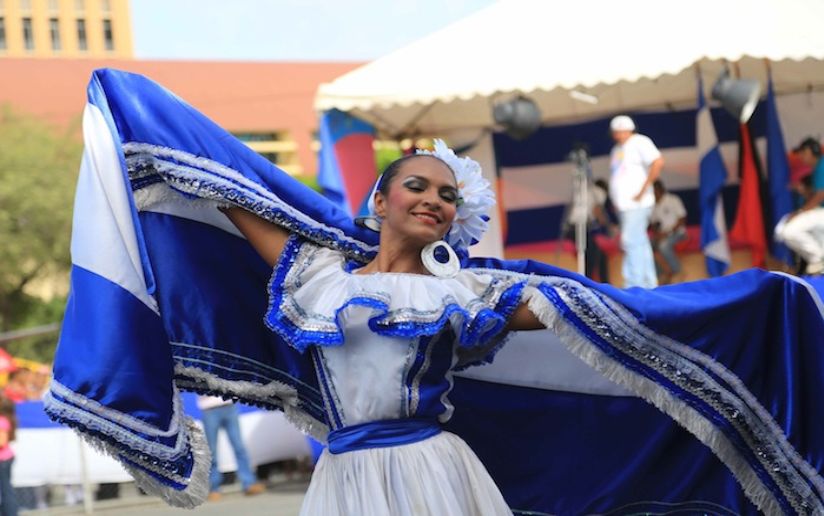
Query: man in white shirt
[[669, 226], [635, 163]]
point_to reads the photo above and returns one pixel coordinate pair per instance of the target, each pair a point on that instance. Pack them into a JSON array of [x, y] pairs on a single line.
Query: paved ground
[[282, 498]]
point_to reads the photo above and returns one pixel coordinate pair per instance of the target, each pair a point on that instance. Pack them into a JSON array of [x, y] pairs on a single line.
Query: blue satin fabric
[[569, 453], [382, 434], [108, 341], [218, 316], [145, 112], [763, 327]]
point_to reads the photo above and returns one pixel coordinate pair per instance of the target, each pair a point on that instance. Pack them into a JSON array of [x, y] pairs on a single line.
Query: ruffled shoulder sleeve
[[300, 263], [311, 288]]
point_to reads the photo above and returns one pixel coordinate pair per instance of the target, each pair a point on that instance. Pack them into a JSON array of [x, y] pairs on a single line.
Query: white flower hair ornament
[[476, 196]]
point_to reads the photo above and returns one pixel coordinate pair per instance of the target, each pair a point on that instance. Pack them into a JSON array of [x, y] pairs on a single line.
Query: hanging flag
[[713, 175], [749, 218], [778, 176], [347, 167]]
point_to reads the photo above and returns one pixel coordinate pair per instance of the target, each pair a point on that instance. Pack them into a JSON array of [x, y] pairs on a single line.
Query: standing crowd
[[653, 221]]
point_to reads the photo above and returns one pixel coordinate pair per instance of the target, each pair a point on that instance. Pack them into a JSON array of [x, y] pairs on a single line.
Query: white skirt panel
[[435, 477]]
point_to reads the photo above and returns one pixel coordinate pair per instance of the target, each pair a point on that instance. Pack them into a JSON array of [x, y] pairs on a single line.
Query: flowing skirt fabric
[[435, 477]]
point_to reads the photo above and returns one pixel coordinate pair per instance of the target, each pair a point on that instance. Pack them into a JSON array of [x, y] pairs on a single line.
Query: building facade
[[269, 106], [65, 28]]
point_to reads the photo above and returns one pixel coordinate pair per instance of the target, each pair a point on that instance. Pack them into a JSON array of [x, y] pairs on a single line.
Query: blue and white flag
[[778, 175], [700, 397], [713, 175], [347, 159]]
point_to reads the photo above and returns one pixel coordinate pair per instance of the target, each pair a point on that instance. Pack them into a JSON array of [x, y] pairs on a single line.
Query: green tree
[[385, 156], [38, 171]]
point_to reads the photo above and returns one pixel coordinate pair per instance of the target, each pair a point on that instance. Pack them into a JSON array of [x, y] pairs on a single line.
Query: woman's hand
[[267, 238]]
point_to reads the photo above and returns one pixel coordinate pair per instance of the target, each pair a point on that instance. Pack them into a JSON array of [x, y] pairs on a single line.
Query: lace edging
[[164, 478], [100, 423], [302, 329], [214, 385], [199, 177], [682, 413]]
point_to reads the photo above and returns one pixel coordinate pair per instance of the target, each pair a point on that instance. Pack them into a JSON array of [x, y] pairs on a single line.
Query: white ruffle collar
[[311, 287]]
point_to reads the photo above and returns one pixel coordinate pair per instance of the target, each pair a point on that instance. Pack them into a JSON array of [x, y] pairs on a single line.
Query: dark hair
[[807, 181], [810, 143], [659, 184], [603, 184], [393, 168], [17, 372]]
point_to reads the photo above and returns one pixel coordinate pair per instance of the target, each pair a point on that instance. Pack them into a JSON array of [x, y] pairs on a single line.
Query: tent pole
[[88, 507]]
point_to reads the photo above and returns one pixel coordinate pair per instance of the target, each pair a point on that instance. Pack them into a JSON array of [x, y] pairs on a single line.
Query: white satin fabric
[[439, 476]]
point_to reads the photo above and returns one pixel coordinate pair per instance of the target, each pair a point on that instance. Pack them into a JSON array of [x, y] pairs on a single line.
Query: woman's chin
[[420, 236]]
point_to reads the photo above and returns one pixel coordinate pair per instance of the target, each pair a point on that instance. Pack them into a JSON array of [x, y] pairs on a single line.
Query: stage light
[[520, 116], [738, 96]]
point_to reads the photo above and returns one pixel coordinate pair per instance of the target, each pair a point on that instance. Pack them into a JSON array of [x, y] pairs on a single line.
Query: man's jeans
[[666, 246], [639, 264], [226, 417]]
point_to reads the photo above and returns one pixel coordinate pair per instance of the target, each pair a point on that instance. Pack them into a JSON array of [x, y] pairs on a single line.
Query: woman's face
[[421, 202]]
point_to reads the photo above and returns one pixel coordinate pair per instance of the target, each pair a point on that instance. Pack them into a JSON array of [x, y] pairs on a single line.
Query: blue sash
[[382, 434]]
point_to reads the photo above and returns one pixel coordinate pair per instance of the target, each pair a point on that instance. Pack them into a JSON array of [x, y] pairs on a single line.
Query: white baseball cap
[[622, 123]]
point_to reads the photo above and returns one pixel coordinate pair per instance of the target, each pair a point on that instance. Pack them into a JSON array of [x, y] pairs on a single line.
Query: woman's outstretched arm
[[267, 238], [523, 319]]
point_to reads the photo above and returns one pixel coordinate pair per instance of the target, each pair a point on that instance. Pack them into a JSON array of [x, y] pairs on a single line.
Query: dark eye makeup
[[417, 184]]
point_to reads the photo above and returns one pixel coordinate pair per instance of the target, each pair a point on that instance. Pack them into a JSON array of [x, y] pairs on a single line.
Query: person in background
[[219, 413], [609, 211], [669, 226], [40, 378], [8, 428], [803, 189], [17, 388], [635, 163], [803, 229]]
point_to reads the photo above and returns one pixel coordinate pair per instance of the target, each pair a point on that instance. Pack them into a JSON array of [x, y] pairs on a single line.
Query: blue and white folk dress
[[385, 346]]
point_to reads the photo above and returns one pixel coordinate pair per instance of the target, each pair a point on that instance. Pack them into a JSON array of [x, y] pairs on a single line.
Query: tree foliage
[[38, 171]]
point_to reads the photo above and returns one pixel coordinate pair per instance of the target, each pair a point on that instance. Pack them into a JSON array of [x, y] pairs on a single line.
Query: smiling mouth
[[427, 218]]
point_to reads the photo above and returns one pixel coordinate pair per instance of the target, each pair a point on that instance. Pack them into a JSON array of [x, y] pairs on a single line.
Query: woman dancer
[[389, 456]]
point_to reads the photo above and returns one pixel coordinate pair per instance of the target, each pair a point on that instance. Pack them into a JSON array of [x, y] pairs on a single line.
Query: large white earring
[[440, 259]]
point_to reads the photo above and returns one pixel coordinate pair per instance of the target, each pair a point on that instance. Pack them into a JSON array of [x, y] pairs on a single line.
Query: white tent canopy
[[630, 55]]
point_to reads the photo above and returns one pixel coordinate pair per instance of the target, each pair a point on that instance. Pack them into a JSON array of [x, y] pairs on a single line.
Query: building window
[[2, 33], [108, 36], [54, 32], [257, 137], [82, 44], [28, 34], [271, 156]]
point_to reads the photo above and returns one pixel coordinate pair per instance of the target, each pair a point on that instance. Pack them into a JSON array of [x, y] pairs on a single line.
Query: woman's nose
[[433, 201]]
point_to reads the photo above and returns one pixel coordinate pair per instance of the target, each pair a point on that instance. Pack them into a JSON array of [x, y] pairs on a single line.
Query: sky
[[287, 30]]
